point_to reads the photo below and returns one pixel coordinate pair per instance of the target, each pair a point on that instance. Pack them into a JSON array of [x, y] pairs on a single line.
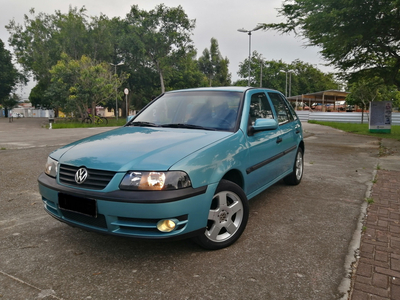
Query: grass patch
[[369, 200], [2, 148], [361, 129], [60, 123]]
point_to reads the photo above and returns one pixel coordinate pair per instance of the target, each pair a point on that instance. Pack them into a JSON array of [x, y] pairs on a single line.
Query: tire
[[87, 120], [104, 120], [295, 177], [227, 217]]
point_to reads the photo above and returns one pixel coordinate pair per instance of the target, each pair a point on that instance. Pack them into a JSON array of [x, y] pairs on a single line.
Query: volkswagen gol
[[184, 166]]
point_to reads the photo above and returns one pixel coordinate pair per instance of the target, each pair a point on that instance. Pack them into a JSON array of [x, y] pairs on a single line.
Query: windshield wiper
[[143, 124], [190, 126]]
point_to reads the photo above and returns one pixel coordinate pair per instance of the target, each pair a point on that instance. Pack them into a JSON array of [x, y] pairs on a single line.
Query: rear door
[[289, 132]]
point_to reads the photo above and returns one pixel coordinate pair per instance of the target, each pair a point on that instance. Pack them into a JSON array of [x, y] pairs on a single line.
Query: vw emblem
[[81, 175]]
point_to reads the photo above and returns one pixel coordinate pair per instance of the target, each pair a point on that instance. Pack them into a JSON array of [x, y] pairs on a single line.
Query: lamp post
[[261, 69], [290, 82], [116, 93], [249, 33]]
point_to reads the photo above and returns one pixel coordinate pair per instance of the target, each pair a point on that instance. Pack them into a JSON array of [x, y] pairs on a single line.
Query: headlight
[[51, 167], [172, 180]]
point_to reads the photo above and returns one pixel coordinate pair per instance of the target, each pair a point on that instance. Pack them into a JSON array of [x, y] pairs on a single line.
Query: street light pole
[[261, 70], [285, 81], [116, 92], [249, 33]]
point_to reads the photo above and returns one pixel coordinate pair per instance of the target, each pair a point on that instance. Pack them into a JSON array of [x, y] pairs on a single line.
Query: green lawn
[[361, 129], [64, 123]]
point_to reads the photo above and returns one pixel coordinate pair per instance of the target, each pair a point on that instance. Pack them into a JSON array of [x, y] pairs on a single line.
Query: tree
[[9, 75], [360, 37], [364, 91], [163, 33], [295, 78], [83, 84], [186, 73], [9, 102], [214, 66], [40, 41]]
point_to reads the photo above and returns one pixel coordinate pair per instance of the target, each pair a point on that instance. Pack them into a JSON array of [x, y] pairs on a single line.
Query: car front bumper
[[132, 213]]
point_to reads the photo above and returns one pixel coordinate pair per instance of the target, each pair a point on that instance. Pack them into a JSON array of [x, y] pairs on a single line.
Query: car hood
[[136, 148]]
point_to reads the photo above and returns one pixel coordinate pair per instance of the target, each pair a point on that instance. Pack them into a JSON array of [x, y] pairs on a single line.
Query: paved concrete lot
[[297, 244]]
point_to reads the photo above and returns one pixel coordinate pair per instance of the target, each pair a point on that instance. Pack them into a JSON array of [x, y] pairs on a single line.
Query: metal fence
[[30, 112], [354, 117]]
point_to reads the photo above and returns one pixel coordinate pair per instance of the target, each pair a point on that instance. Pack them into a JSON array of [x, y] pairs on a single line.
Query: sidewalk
[[377, 271]]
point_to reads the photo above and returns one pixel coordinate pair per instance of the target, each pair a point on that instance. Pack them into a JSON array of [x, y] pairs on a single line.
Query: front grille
[[96, 180]]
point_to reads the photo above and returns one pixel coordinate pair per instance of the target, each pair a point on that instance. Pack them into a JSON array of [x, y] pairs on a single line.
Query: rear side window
[[259, 108], [281, 107]]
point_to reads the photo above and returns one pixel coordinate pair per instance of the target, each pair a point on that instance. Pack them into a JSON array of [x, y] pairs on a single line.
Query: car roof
[[222, 88]]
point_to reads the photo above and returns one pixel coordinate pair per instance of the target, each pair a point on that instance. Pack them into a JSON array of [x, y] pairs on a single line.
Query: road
[[297, 243]]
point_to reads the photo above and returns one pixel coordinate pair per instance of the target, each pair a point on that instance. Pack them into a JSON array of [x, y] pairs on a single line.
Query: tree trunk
[[161, 77], [93, 112]]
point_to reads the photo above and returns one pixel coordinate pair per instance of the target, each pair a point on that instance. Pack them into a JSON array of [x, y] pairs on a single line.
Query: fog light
[[166, 225]]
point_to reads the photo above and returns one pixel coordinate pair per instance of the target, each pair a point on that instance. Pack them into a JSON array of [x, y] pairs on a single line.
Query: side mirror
[[265, 124], [262, 125]]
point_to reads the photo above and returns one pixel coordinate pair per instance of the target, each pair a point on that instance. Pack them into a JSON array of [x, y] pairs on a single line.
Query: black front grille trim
[[97, 179]]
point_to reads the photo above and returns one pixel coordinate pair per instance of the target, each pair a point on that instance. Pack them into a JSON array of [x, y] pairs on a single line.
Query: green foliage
[[82, 84], [39, 43], [162, 36], [154, 45], [359, 37], [9, 76], [299, 77], [38, 95], [65, 123], [366, 90], [214, 66], [10, 101], [369, 200]]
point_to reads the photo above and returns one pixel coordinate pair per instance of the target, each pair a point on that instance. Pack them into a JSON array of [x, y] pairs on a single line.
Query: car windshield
[[210, 110]]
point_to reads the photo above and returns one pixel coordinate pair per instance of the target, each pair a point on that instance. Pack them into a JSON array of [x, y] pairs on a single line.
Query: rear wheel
[[104, 120], [87, 120], [227, 217], [295, 177]]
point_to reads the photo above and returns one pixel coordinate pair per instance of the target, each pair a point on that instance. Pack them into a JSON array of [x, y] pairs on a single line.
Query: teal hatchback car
[[184, 166]]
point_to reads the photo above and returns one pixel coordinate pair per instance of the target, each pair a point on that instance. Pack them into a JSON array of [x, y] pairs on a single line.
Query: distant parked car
[[184, 166]]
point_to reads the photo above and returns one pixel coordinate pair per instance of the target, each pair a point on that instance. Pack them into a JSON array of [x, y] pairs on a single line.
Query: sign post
[[380, 116]]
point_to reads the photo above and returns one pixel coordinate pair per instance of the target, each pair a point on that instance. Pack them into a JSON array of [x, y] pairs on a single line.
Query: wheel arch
[[235, 176], [301, 145]]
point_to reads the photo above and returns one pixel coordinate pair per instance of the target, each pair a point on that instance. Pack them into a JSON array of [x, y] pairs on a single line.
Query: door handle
[[278, 140]]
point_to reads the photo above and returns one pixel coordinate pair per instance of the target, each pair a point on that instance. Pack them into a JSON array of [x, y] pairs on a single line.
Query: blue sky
[[214, 18]]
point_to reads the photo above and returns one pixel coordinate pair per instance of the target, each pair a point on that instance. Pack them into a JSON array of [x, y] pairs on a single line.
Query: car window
[[281, 108], [215, 110], [259, 108]]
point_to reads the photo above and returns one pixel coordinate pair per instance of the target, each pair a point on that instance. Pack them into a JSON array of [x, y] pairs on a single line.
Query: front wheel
[[295, 177], [227, 217]]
